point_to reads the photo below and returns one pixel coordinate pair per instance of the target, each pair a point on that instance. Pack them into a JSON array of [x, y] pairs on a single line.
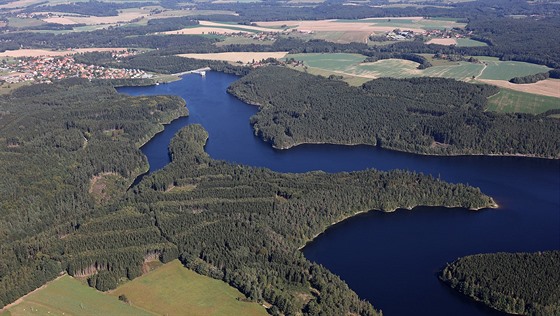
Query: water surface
[[390, 259]]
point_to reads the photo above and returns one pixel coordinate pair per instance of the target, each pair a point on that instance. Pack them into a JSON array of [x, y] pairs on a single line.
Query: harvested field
[[60, 20], [205, 30], [246, 27], [43, 52], [333, 26], [245, 57], [206, 27], [549, 87], [442, 41]]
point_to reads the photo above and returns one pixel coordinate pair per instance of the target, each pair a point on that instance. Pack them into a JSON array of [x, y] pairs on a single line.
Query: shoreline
[[494, 205], [410, 152]]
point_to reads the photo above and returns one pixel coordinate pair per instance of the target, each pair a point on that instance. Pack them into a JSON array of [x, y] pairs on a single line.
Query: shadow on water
[[389, 259]]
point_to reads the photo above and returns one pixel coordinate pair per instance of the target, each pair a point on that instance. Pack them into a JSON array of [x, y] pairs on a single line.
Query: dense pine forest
[[420, 115], [69, 154], [517, 283], [239, 224]]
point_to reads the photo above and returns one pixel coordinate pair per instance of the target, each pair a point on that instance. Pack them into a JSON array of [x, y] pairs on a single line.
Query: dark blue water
[[390, 259]]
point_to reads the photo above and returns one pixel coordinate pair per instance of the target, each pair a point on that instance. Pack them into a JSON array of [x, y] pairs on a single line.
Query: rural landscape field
[[292, 157]]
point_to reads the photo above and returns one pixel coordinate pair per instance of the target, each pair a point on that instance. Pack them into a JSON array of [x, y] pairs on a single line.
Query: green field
[[21, 23], [173, 289], [505, 70], [467, 42], [351, 64], [520, 102], [68, 296]]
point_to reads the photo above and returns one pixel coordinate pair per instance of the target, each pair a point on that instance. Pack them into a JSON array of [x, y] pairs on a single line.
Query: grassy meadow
[[467, 42], [509, 101], [173, 289], [68, 296], [168, 289]]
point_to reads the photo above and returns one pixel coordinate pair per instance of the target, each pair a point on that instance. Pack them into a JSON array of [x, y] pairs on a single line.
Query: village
[[46, 69]]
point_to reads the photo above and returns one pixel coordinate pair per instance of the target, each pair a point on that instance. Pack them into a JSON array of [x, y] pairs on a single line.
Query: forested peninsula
[[240, 224], [420, 115], [516, 283]]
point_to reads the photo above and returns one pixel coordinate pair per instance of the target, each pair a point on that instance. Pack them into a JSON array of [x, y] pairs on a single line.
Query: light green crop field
[[68, 296], [509, 101], [172, 290], [505, 70], [467, 42], [352, 64], [20, 23]]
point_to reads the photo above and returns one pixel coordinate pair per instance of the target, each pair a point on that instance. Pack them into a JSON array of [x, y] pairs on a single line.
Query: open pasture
[[509, 101], [68, 296], [172, 289]]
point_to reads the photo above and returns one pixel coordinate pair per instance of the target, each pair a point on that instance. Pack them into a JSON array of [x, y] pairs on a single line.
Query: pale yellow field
[[245, 57], [220, 28], [442, 41], [333, 25], [43, 52], [247, 27], [60, 20], [205, 30], [549, 87]]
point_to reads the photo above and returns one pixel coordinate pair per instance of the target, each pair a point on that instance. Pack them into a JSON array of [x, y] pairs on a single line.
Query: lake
[[390, 259]]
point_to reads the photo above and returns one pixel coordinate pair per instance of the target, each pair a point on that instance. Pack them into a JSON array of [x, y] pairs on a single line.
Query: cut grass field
[[173, 290], [68, 296], [548, 87], [509, 101], [352, 65]]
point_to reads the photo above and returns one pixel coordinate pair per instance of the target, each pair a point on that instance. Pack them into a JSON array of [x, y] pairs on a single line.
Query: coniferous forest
[[69, 154], [516, 283], [421, 115], [239, 224]]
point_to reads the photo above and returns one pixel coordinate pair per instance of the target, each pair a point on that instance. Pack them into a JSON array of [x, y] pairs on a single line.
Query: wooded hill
[[516, 283], [240, 224], [420, 115]]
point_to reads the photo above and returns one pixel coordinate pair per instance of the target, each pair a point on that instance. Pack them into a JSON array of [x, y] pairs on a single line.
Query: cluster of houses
[[48, 69]]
